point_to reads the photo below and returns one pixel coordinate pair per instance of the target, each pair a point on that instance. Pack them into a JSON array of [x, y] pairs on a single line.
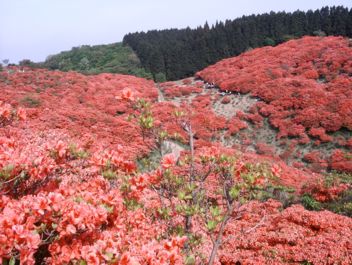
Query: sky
[[34, 29]]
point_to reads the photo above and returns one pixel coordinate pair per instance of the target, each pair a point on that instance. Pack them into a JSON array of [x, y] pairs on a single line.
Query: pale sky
[[34, 29]]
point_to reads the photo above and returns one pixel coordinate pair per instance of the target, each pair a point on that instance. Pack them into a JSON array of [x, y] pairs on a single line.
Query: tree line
[[177, 53], [86, 59]]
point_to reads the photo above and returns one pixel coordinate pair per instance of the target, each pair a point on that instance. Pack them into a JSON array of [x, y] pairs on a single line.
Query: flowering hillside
[[87, 177], [304, 89]]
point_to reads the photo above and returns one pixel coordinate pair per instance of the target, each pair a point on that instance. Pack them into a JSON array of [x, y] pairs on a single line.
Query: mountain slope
[[71, 191], [303, 90], [180, 53]]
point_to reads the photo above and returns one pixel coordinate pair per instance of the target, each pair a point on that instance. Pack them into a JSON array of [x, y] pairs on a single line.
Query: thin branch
[[261, 222]]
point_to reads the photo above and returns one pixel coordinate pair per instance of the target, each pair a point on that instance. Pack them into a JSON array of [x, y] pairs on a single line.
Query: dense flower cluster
[[9, 114], [304, 86], [293, 235], [172, 90], [88, 106]]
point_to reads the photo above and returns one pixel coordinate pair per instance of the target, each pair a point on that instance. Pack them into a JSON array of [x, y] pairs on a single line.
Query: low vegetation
[[111, 58]]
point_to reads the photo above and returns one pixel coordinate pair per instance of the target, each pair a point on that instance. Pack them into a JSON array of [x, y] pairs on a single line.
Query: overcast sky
[[34, 29]]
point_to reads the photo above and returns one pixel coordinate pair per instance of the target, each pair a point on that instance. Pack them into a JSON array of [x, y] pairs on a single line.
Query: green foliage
[[335, 177], [131, 204], [76, 153], [182, 187], [111, 58], [30, 102], [310, 203], [269, 42], [306, 263], [340, 205], [109, 174], [190, 260], [146, 121], [27, 63], [319, 33], [160, 77], [145, 117], [288, 37], [150, 162], [6, 172], [285, 195]]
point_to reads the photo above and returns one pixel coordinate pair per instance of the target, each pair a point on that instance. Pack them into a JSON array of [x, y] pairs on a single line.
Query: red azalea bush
[[349, 143], [264, 149], [187, 81], [294, 234], [226, 100], [320, 134], [341, 161], [82, 218], [172, 90], [317, 162], [235, 125], [323, 192], [8, 114], [305, 87]]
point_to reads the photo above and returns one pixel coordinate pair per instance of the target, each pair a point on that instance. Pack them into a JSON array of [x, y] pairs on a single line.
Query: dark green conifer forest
[[177, 53]]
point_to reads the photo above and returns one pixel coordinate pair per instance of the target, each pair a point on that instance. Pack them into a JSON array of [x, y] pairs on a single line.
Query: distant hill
[[111, 58], [179, 53]]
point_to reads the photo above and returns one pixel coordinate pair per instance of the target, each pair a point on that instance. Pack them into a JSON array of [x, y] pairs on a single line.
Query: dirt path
[[170, 147], [160, 93]]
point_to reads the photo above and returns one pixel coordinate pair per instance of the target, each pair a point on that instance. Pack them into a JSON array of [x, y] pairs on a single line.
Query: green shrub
[[310, 203], [30, 102]]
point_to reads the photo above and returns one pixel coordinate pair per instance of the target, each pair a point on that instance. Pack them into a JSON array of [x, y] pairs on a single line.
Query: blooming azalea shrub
[[323, 192], [187, 81], [264, 149], [199, 178], [226, 100], [77, 220], [348, 143], [201, 101], [19, 173], [172, 90], [317, 160], [341, 161], [9, 114], [85, 223], [235, 125], [320, 134], [294, 234], [206, 124]]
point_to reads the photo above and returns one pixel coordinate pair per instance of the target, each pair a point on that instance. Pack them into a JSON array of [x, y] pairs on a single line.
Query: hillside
[[303, 92], [116, 169], [180, 53], [111, 58], [173, 54]]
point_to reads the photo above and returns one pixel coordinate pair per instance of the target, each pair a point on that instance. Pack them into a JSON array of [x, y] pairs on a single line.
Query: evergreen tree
[[181, 53]]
